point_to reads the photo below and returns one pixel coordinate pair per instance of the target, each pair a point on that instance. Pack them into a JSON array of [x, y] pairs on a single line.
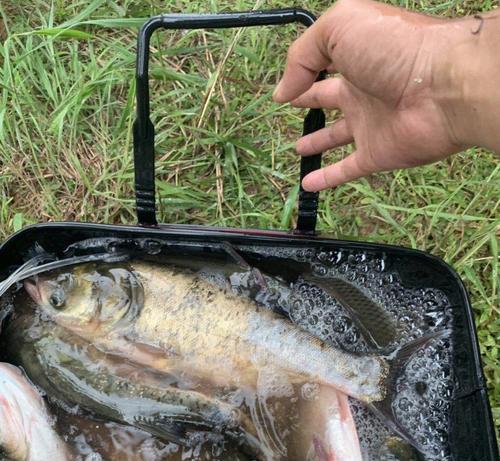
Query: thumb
[[348, 169]]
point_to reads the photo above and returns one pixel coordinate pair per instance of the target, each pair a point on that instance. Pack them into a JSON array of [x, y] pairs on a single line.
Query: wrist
[[466, 87]]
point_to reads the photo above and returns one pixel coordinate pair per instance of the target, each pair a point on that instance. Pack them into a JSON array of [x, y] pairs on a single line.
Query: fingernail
[[303, 146], [276, 93], [299, 146]]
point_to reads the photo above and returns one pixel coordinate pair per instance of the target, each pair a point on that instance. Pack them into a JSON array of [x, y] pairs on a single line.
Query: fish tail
[[397, 365]]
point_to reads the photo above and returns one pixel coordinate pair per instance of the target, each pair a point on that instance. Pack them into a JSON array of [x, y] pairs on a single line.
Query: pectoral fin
[[165, 428]]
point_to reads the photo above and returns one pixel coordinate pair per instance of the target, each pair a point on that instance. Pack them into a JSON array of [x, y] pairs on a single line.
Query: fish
[[329, 431], [73, 373], [116, 442], [26, 431], [170, 319], [70, 371]]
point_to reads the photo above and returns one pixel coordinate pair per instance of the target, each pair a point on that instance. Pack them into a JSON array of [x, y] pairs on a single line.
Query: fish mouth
[[31, 286]]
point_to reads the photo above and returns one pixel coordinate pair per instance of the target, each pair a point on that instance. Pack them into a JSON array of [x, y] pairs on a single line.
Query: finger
[[330, 137], [307, 56], [324, 95], [348, 169]]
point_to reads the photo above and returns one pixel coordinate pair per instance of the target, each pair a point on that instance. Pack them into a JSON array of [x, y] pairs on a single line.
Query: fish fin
[[188, 432], [286, 269], [165, 428], [240, 261], [319, 449], [398, 362], [250, 445], [180, 428], [259, 278], [329, 430], [143, 354], [374, 323]]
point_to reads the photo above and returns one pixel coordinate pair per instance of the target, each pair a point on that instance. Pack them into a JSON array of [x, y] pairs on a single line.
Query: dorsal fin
[[374, 323]]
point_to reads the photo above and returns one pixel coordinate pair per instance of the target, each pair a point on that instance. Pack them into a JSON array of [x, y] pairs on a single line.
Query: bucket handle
[[144, 130]]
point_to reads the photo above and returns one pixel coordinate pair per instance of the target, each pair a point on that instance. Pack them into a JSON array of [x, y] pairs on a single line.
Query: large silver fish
[[174, 321], [26, 432]]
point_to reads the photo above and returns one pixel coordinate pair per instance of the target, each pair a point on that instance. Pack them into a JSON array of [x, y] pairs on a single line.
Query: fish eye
[[57, 299]]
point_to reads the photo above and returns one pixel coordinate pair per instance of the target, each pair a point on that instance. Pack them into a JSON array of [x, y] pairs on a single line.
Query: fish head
[[88, 298]]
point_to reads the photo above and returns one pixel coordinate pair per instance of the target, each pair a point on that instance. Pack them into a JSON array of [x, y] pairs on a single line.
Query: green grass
[[225, 151]]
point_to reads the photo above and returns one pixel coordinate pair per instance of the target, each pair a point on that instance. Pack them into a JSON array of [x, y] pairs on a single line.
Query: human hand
[[394, 88]]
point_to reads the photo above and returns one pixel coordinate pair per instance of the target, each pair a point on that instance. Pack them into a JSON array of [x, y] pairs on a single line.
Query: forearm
[[467, 79]]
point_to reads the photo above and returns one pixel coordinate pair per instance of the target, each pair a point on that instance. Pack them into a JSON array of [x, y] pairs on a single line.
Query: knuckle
[[342, 4], [333, 132], [310, 145], [327, 176], [360, 166], [292, 50], [332, 175], [316, 97], [343, 169], [342, 92], [301, 146]]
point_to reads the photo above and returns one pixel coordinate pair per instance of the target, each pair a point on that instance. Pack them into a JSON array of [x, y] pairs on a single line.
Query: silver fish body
[[197, 327], [26, 432]]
